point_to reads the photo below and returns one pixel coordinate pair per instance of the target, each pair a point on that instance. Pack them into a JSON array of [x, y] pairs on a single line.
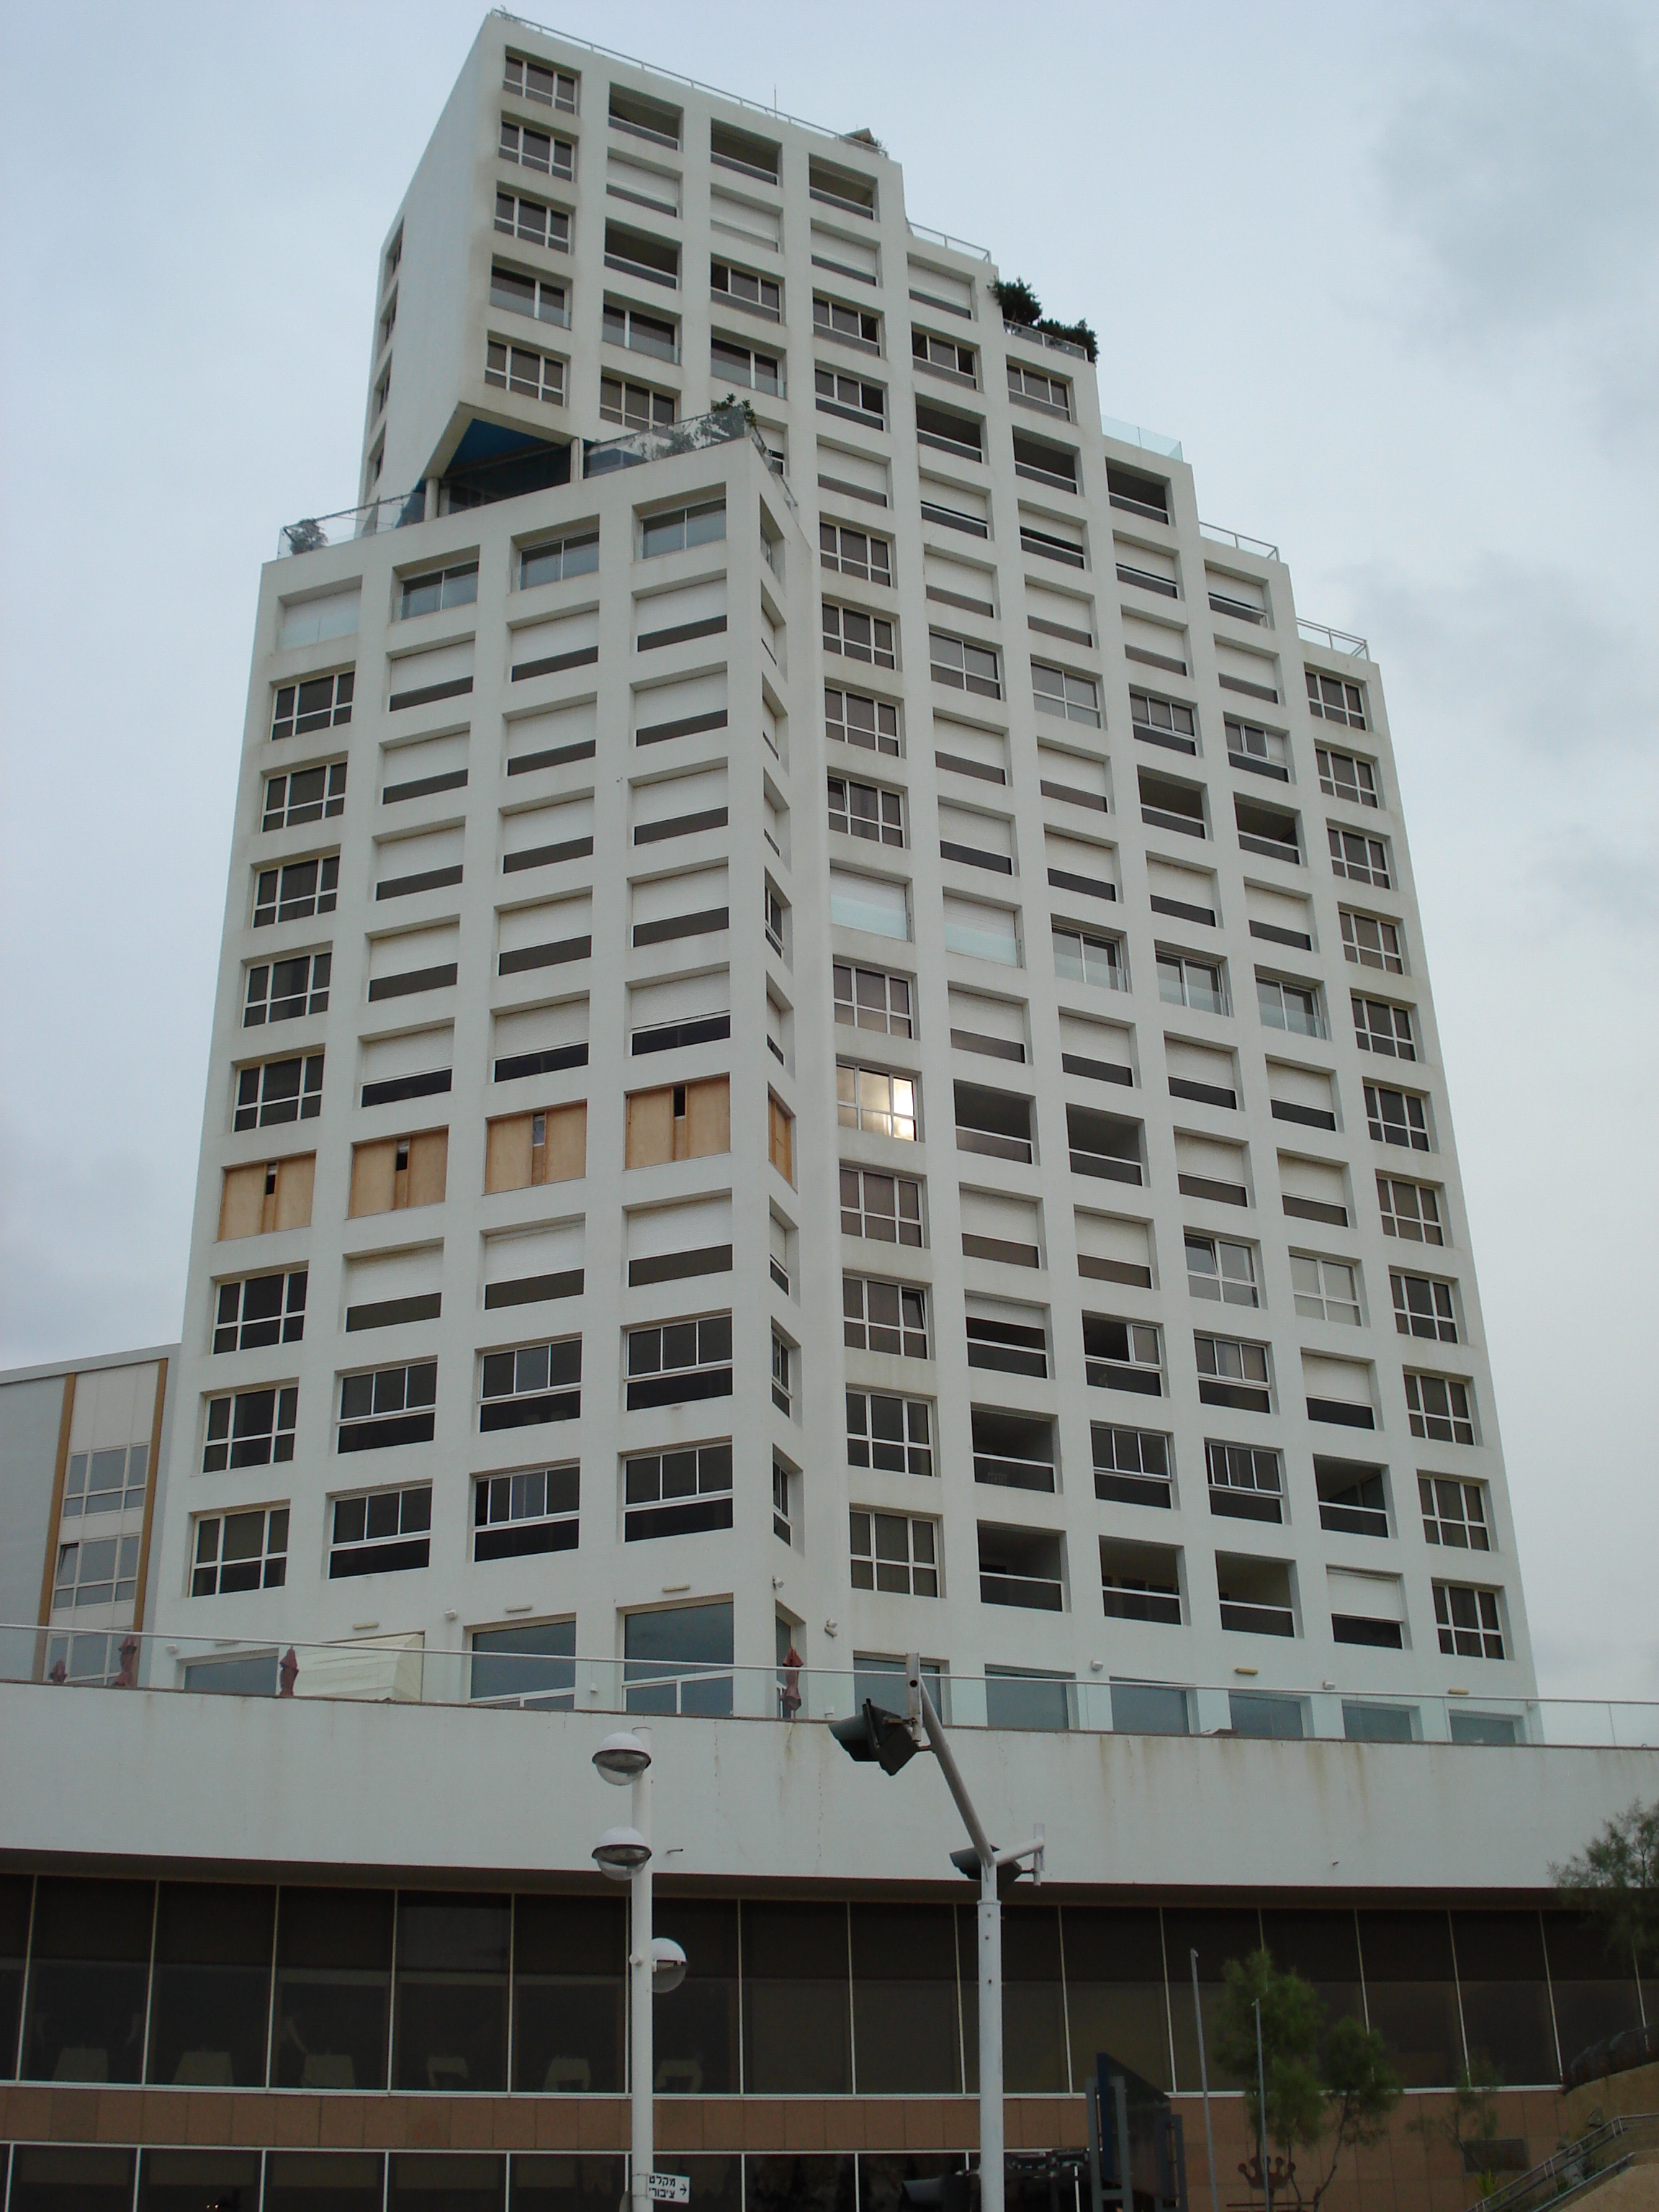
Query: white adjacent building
[[823, 1040]]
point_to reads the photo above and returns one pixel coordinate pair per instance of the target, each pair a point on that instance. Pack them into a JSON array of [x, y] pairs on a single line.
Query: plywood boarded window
[[524, 1150], [268, 1194], [781, 1138], [681, 1122], [399, 1172]]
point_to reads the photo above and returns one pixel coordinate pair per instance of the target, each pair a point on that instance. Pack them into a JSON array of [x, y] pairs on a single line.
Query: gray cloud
[[1518, 648], [1595, 880], [1523, 160]]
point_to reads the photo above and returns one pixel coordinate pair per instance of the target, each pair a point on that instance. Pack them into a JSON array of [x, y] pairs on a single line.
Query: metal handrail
[[365, 1667], [943, 238], [1044, 339], [1238, 540], [1335, 641]]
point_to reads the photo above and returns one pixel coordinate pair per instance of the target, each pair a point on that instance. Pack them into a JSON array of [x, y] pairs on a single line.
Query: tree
[[1019, 302], [1471, 2122], [1329, 2087], [1616, 1877]]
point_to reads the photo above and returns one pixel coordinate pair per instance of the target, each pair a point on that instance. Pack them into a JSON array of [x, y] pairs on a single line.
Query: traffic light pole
[[989, 1947]]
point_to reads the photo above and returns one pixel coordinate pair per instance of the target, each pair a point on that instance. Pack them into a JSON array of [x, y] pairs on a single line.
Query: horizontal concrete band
[[303, 2120]]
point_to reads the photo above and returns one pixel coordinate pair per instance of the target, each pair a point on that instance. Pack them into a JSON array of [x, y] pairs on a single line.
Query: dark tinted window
[[1115, 1988], [198, 2180], [1591, 1982], [795, 2001], [323, 2180], [15, 1894], [1217, 1937], [450, 2029], [446, 2181], [48, 2180], [1411, 1994], [1506, 1998], [570, 1980], [554, 2184], [695, 2041], [333, 1989], [88, 1981], [211, 2009], [905, 2025]]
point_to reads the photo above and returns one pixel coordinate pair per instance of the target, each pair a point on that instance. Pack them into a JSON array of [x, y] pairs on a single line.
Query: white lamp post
[[654, 1965]]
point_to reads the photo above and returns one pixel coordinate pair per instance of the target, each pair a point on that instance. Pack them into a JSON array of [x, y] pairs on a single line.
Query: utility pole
[[1204, 2081]]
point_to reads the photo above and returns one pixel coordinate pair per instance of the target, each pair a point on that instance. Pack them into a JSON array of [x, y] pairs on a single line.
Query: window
[[882, 1316], [1167, 805], [1074, 698], [1333, 700], [1454, 1513], [855, 326], [857, 721], [517, 1516], [631, 327], [532, 221], [381, 1532], [1218, 1268], [880, 1104], [1467, 1621], [1352, 1500], [884, 1208], [1231, 1373], [851, 396], [740, 364], [856, 553], [1381, 1028], [1342, 775], [780, 1139], [1250, 746], [388, 1406], [892, 1552], [1043, 463], [1080, 959], [1292, 1006], [1133, 1467], [858, 635], [103, 1572], [1361, 860], [870, 998], [1396, 1117], [1325, 1290], [1032, 388], [540, 297], [1164, 722], [865, 810], [260, 1309], [383, 391], [965, 667], [944, 355], [106, 1482], [1265, 829], [781, 1526], [1138, 494], [531, 1383], [1245, 1483], [1437, 1407], [894, 1435], [677, 1493], [643, 118], [1423, 1307], [557, 558], [531, 81], [1184, 981], [297, 892], [239, 1551], [1369, 942], [1409, 1210], [438, 587], [249, 1428], [635, 406], [762, 293], [537, 150], [279, 1091], [287, 989], [518, 368], [680, 1361], [1007, 1347], [775, 911], [678, 528], [1122, 1355], [321, 702], [307, 795], [1045, 545]]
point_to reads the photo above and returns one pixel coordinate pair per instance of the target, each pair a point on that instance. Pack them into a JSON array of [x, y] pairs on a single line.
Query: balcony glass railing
[[1143, 1605], [991, 1142], [314, 532], [403, 1669], [1007, 1473], [1137, 434], [1258, 1619], [1037, 1592]]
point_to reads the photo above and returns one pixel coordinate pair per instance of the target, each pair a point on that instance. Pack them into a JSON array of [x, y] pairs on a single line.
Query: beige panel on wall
[[399, 1171], [267, 1195], [514, 1161], [701, 1129]]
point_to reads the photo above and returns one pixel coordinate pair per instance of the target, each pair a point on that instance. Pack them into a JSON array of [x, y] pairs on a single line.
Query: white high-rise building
[[824, 1043]]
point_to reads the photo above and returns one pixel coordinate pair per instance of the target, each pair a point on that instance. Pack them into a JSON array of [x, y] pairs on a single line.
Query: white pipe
[[642, 2065]]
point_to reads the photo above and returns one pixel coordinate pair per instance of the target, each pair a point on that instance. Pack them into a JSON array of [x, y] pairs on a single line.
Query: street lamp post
[[891, 1742], [655, 1965]]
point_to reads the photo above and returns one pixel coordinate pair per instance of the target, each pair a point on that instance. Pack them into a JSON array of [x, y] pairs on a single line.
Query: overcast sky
[[1389, 273]]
